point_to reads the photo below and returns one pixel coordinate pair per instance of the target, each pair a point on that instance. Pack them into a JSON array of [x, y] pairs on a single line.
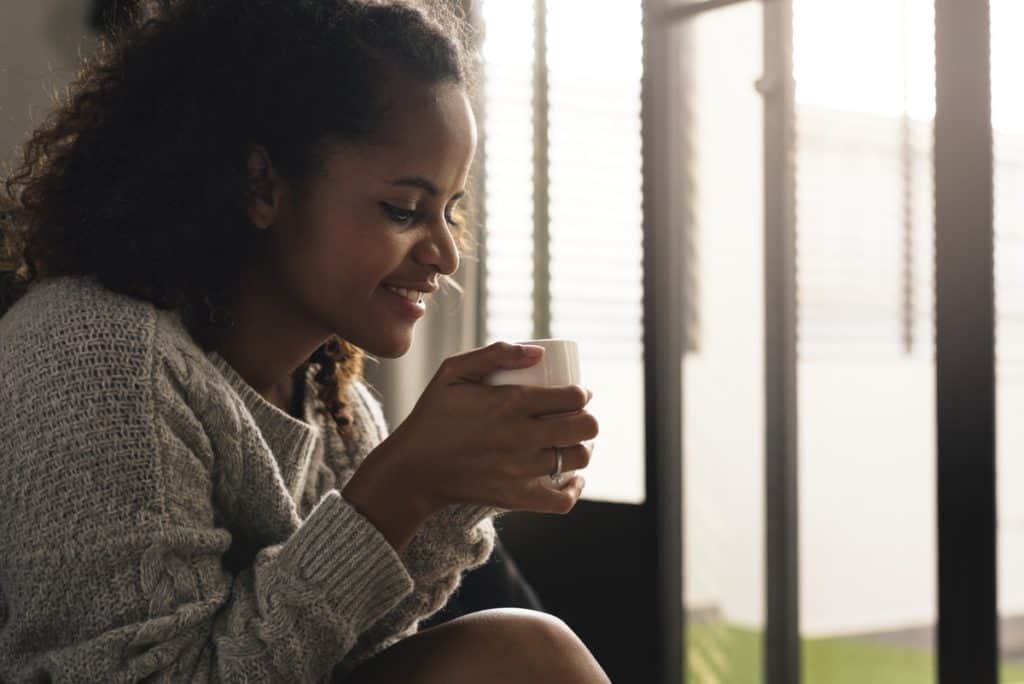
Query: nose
[[438, 248]]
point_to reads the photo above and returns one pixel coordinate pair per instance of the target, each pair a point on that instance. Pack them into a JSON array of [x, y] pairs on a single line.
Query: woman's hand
[[466, 442]]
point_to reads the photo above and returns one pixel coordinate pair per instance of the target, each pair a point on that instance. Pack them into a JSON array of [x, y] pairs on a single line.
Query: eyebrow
[[424, 184]]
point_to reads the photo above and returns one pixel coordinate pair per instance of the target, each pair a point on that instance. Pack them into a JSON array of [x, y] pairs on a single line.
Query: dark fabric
[[498, 583]]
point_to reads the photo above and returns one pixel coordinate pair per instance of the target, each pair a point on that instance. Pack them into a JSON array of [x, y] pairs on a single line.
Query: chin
[[389, 348]]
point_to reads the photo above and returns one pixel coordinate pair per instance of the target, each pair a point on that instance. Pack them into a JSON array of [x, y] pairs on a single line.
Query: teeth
[[411, 295]]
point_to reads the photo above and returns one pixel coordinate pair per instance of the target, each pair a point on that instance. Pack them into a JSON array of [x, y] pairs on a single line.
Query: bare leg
[[503, 646]]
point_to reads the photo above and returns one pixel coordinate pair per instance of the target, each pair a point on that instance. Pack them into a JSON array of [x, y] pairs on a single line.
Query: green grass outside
[[722, 654]]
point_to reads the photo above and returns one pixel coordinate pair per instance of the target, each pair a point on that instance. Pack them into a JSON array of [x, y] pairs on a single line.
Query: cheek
[[359, 263], [349, 247]]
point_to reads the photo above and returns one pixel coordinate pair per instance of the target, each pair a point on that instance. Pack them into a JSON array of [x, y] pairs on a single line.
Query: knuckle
[[579, 396], [590, 426], [565, 504], [502, 347], [585, 458], [516, 394], [447, 367]]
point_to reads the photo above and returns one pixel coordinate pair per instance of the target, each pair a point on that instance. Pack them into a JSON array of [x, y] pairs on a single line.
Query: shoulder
[[71, 331], [77, 356], [76, 415]]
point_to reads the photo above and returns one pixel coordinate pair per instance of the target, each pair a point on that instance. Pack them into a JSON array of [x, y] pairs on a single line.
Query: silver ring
[[556, 475]]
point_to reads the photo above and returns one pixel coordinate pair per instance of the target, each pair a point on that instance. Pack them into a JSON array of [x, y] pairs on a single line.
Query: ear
[[266, 188]]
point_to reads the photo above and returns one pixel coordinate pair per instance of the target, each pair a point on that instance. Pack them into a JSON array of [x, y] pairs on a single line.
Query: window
[[863, 191], [1008, 146], [563, 203]]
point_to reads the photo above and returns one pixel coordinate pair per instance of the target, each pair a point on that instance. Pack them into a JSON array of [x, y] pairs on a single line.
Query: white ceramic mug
[[560, 365]]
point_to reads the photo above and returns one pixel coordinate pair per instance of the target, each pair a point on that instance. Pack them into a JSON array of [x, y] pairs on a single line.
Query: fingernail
[[531, 351]]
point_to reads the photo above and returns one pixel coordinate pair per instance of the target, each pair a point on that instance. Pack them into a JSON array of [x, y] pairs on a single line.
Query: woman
[[236, 199]]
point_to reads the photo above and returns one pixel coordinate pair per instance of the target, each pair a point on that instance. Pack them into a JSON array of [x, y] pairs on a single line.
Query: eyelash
[[404, 216]]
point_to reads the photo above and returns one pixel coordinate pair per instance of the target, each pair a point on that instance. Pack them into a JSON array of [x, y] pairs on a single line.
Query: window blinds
[[595, 173], [591, 289]]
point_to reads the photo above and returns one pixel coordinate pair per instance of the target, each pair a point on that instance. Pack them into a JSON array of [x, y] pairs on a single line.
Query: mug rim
[[548, 339]]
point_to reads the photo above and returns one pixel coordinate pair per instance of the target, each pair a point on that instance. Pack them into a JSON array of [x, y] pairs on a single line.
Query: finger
[[474, 365], [540, 401], [540, 462], [558, 430], [544, 499], [575, 486]]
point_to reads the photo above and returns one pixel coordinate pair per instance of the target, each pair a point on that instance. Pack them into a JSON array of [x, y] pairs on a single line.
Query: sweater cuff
[[343, 554], [467, 516], [454, 539]]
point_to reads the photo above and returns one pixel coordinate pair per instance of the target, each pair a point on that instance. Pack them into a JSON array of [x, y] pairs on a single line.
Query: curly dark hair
[[139, 177]]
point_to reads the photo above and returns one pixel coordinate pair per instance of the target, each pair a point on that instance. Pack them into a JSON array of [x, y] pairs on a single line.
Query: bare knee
[[528, 628], [507, 645], [541, 646]]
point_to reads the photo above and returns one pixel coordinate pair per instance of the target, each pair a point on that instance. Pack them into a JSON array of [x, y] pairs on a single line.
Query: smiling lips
[[415, 296]]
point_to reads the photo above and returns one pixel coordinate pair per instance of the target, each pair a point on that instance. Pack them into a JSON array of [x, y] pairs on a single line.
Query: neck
[[287, 396], [269, 344]]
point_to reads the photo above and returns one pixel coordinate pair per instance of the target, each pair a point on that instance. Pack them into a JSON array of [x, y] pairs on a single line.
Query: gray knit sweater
[[159, 519]]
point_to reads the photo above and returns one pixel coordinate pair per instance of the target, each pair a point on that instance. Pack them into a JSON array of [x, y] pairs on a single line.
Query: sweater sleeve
[[457, 538], [139, 587]]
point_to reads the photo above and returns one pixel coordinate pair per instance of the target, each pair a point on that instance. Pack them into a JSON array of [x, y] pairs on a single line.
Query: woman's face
[[379, 217]]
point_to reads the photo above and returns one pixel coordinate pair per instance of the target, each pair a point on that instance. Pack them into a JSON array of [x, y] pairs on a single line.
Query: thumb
[[473, 365]]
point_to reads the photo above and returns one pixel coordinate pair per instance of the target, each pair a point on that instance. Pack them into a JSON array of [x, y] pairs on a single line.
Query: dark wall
[[592, 569]]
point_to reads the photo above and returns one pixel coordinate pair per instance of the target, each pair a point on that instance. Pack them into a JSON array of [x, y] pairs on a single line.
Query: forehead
[[429, 131]]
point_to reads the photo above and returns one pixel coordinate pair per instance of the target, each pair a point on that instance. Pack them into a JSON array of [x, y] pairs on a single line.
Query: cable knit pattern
[[160, 520], [458, 536]]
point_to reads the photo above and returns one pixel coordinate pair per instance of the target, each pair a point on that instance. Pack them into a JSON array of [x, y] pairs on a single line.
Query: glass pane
[[596, 225], [508, 167], [866, 369], [719, 185], [1008, 131], [595, 207]]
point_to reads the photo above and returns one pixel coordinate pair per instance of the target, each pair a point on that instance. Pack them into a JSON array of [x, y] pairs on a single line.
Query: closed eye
[[397, 214], [404, 217], [453, 210]]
